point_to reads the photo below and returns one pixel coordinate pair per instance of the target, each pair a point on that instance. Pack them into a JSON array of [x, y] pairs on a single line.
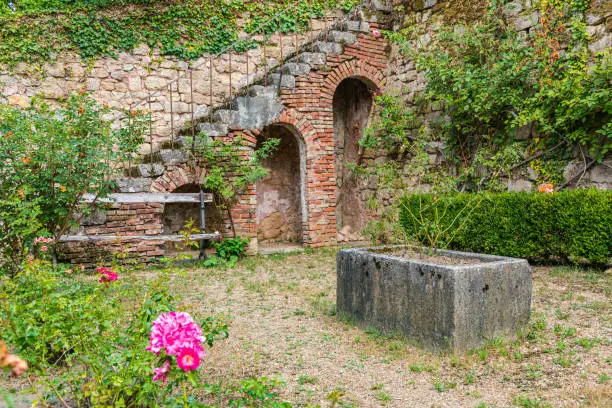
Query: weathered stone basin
[[452, 300]]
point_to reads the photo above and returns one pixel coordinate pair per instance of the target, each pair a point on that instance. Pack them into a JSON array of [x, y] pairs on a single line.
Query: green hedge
[[572, 226]]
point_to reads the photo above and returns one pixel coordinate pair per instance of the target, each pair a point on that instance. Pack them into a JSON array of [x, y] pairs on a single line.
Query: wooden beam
[[101, 238], [163, 198]]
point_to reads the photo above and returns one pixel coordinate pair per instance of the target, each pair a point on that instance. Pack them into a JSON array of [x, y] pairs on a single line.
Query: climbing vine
[[37, 30], [509, 98]]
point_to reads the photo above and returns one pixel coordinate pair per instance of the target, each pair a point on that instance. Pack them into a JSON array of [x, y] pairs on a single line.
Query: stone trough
[[451, 301]]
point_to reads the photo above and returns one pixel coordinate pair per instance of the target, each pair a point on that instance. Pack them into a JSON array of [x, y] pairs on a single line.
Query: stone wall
[[127, 81]]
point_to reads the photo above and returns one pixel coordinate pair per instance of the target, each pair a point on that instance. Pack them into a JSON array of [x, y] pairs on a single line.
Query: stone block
[[527, 21], [328, 47], [257, 112], [296, 69], [520, 185], [134, 185], [358, 26], [456, 306], [213, 129], [602, 173], [226, 116], [150, 170], [342, 37], [513, 8], [264, 91], [313, 58], [286, 81], [386, 5], [171, 157], [602, 44], [92, 84], [19, 100]]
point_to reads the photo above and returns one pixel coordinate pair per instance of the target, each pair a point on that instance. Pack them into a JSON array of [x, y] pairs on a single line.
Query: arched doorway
[[281, 212], [352, 106]]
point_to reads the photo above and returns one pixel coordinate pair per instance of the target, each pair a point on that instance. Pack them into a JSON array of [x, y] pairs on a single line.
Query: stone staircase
[[254, 106]]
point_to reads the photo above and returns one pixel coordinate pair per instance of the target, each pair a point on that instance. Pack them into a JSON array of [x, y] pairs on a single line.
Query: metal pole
[[202, 225], [171, 118], [192, 117]]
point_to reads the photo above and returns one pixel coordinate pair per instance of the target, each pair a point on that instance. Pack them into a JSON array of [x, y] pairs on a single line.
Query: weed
[[561, 315], [526, 402], [564, 331], [442, 386], [383, 397], [534, 371], [564, 361], [307, 379], [470, 378]]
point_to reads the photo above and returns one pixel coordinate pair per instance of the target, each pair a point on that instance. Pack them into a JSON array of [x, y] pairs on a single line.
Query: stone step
[[150, 170], [358, 26], [296, 69], [314, 59], [213, 129], [226, 116], [286, 81], [255, 112], [134, 184], [168, 157], [263, 91], [343, 37], [328, 47]]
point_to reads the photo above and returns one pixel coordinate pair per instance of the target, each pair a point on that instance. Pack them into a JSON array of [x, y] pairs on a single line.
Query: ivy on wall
[[513, 98], [37, 30]]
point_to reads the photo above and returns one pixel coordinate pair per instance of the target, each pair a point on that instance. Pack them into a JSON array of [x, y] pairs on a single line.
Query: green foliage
[[490, 82], [570, 226], [44, 316], [86, 341], [396, 133], [258, 392], [49, 158], [230, 169], [93, 28], [232, 248]]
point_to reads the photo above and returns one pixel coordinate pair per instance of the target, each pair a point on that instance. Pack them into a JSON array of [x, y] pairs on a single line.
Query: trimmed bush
[[571, 226]]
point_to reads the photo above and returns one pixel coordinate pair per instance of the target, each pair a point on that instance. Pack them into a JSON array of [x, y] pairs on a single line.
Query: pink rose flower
[[161, 373], [178, 335], [108, 275], [188, 359], [376, 33], [43, 248]]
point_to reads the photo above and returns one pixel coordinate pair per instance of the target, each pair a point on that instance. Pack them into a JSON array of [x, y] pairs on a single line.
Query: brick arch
[[171, 180], [299, 121], [355, 68]]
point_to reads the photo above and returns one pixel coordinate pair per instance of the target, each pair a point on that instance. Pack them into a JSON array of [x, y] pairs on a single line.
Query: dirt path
[[282, 314]]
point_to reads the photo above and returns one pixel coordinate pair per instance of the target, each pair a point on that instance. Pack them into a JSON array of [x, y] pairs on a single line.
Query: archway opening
[[176, 215], [352, 106], [280, 195]]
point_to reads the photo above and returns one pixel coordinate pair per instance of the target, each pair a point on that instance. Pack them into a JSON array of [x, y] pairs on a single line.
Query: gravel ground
[[281, 312]]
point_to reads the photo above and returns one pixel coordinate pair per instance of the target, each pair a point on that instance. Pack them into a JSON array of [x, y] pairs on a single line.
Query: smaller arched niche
[[352, 105], [280, 195], [176, 215]]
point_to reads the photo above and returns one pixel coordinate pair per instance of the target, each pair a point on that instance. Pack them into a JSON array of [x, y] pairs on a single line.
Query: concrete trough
[[456, 304]]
